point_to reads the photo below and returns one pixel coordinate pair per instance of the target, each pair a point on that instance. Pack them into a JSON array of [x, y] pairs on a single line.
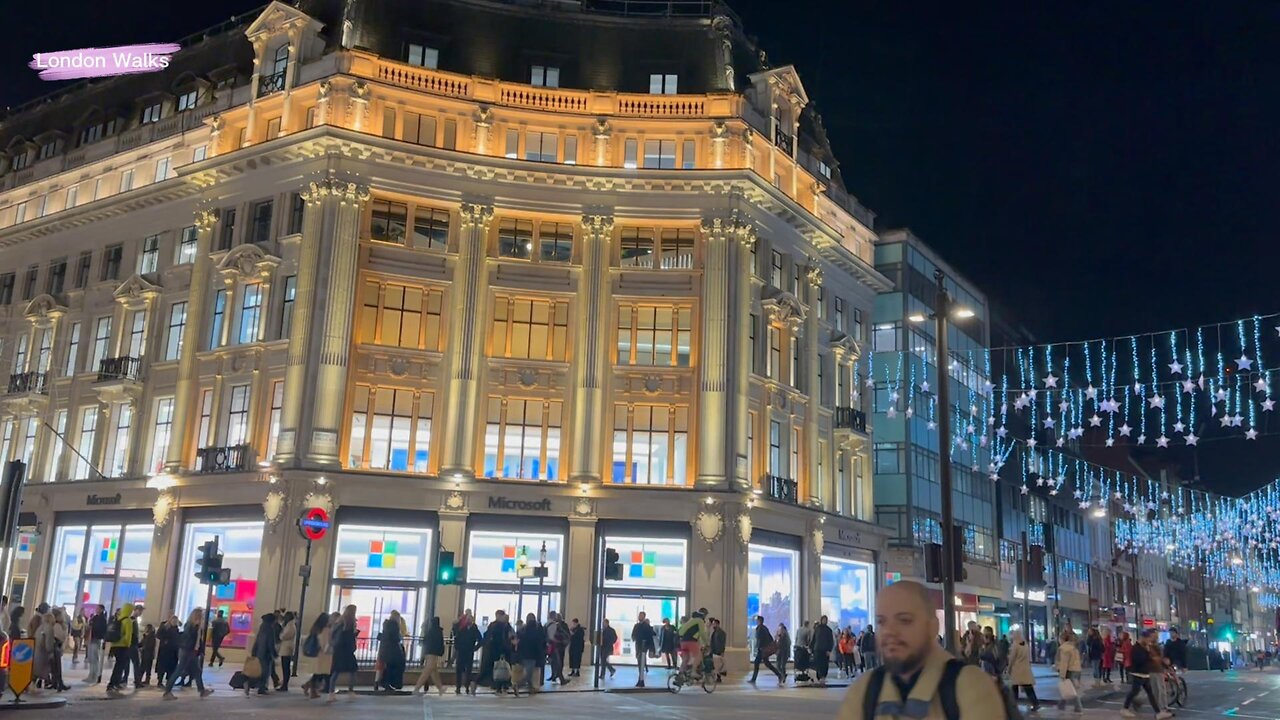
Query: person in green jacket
[[693, 637], [121, 629]]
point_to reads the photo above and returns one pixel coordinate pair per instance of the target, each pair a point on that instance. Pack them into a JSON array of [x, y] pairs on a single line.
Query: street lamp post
[[943, 312]]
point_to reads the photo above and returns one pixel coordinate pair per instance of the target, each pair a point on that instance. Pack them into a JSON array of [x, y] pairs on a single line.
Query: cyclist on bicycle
[[693, 637], [1175, 653]]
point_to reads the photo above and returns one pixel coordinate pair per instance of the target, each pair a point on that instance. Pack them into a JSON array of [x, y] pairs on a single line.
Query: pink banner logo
[[101, 62]]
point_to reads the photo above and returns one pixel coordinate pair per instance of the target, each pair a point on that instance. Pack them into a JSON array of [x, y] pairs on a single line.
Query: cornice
[[98, 210]]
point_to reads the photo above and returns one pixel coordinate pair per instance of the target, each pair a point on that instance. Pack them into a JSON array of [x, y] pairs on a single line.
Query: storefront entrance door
[[622, 611]]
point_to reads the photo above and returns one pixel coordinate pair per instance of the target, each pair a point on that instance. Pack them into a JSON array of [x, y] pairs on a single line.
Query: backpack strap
[[872, 698], [947, 689]]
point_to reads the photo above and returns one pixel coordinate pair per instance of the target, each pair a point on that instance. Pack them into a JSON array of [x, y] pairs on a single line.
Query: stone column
[[714, 406], [719, 579], [335, 338], [743, 294], [590, 350], [818, 494], [101, 433], [579, 575], [453, 537], [465, 352], [255, 80], [290, 74], [183, 442]]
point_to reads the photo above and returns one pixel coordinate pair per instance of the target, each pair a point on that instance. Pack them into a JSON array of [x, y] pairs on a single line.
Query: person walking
[[577, 645], [1124, 655], [1020, 675], [868, 648], [219, 629], [1095, 651], [263, 647], [345, 634], [497, 645], [558, 638], [1142, 665], [42, 632], [642, 642], [79, 624], [783, 640], [135, 658], [716, 646], [189, 656], [317, 648], [147, 652], [607, 640], [1069, 665], [432, 656], [667, 643], [803, 653], [845, 647], [58, 635], [465, 641], [95, 634], [119, 634], [288, 649], [823, 643], [1108, 654], [391, 654], [531, 644], [765, 648]]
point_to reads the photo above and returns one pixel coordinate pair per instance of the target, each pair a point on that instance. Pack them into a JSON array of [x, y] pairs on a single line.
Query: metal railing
[[271, 83], [120, 368], [847, 418], [231, 458], [28, 382], [784, 141], [782, 489]]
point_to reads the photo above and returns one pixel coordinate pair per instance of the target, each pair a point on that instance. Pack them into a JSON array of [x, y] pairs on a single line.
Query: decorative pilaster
[[343, 244], [590, 350], [819, 495], [465, 355], [714, 406], [183, 443], [601, 134], [745, 236], [483, 119]]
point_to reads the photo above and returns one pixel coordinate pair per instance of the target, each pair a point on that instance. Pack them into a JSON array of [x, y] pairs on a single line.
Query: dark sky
[[1104, 168]]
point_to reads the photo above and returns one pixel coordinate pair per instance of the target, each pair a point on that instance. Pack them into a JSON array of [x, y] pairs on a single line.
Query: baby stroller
[[802, 665]]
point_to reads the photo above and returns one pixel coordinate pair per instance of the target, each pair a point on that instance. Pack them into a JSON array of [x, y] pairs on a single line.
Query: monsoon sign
[[101, 62]]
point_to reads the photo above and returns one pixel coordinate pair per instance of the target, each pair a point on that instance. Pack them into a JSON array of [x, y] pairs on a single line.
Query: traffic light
[[446, 573], [209, 564], [612, 568], [1035, 567], [957, 553], [933, 563]]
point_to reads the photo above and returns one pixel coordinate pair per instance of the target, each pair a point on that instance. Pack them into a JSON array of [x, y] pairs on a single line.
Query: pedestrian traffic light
[[1035, 567], [612, 568], [446, 573], [933, 563], [209, 565]]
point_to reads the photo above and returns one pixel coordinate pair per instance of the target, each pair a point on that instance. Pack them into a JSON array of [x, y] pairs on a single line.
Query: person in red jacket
[[1126, 649], [1108, 654]]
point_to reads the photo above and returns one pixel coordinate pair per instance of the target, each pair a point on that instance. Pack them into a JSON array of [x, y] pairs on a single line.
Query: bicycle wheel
[[1182, 691], [710, 681], [674, 682]]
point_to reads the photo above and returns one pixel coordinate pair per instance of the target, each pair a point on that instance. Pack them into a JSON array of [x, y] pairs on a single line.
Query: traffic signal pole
[[942, 311], [305, 573], [1026, 596]]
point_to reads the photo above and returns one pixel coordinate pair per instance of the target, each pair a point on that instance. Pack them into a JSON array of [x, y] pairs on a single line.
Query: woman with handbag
[[262, 648], [319, 655], [1108, 655], [1069, 666], [344, 653], [1020, 676], [765, 648]]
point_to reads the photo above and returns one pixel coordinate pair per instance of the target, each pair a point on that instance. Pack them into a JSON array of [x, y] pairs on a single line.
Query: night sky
[[1104, 168]]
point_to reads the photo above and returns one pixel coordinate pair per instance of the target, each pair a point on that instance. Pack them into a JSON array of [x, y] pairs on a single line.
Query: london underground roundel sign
[[314, 523]]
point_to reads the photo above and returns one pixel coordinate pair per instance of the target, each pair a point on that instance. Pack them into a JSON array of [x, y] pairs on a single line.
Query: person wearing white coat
[[1069, 666]]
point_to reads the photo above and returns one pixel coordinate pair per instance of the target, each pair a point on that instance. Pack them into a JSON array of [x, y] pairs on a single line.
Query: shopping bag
[[1066, 689], [252, 668]]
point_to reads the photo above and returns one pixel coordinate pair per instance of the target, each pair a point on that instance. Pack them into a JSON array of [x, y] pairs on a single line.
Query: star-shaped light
[[1162, 441], [1025, 489], [1155, 401], [924, 386], [1125, 430], [1111, 442], [891, 412], [1091, 393], [982, 441], [1236, 420], [1040, 481], [1188, 386], [1142, 439], [1112, 406], [1192, 439], [1261, 385], [1053, 492], [1220, 395], [1244, 362], [1200, 381], [932, 425], [1268, 404], [1048, 423], [893, 395], [970, 429], [1084, 505], [994, 477], [910, 412], [1175, 367], [987, 387], [1224, 421], [1051, 380], [1137, 388], [1179, 426], [1064, 406], [1251, 434], [1077, 494], [1095, 421], [1061, 441], [871, 383], [1031, 442], [1001, 431]]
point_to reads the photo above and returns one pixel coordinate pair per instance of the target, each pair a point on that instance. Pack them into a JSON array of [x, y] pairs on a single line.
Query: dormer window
[[21, 160], [423, 56], [47, 149], [94, 133], [544, 76], [662, 84], [824, 170], [151, 113], [274, 82], [187, 100]]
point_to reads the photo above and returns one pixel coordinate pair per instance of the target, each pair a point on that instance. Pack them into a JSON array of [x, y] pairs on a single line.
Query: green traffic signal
[[446, 573]]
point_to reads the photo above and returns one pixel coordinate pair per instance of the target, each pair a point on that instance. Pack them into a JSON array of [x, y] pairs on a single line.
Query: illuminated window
[[187, 100], [650, 444], [688, 154], [515, 239], [423, 56], [775, 447], [388, 431], [544, 76], [73, 351], [186, 246], [260, 221], [250, 312], [135, 342], [277, 407], [419, 129], [286, 306], [555, 242], [206, 417], [111, 257], [150, 114], [673, 248], [84, 446], [238, 416], [775, 270], [530, 329], [654, 335], [55, 448], [149, 258], [430, 228], [101, 343], [773, 366], [219, 314], [662, 84], [388, 221], [401, 316], [522, 439], [541, 146], [161, 436], [123, 414], [660, 154], [629, 152]]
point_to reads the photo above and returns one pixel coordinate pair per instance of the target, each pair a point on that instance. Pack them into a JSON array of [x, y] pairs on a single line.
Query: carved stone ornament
[[475, 214], [345, 191], [326, 87], [162, 510], [582, 507], [247, 262], [321, 500], [527, 377], [844, 347], [44, 310], [602, 130], [813, 273], [454, 501], [398, 367], [819, 539], [744, 528], [273, 507], [652, 384], [709, 525], [483, 116]]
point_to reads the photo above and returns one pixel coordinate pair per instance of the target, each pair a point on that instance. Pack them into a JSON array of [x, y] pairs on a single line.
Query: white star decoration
[[1025, 489], [1175, 367], [1155, 401], [1064, 406], [1224, 421], [1090, 393], [1084, 505], [910, 412], [1268, 404], [1111, 442], [1220, 395], [1137, 388], [1236, 420], [1244, 363], [1188, 386], [1142, 439], [1125, 430], [1162, 441], [924, 386], [1051, 381], [1095, 421], [1031, 442], [1251, 434], [1061, 442], [1000, 431], [1048, 423], [1192, 439], [892, 413], [1178, 427], [931, 425], [1261, 385]]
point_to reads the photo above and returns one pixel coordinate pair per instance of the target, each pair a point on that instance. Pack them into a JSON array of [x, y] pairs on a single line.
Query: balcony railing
[[120, 368], [271, 83], [232, 458], [28, 382], [782, 489], [848, 418], [784, 141]]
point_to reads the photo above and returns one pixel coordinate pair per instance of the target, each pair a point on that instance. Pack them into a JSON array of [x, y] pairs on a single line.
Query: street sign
[[21, 655], [314, 523], [304, 571]]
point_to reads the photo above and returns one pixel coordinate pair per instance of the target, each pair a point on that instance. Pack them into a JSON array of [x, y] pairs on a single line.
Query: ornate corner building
[[398, 261]]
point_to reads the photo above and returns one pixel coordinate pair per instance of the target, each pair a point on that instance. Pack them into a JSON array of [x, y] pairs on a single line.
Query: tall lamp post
[[943, 312]]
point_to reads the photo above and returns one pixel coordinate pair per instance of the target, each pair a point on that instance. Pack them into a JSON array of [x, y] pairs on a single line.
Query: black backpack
[[114, 630], [946, 693]]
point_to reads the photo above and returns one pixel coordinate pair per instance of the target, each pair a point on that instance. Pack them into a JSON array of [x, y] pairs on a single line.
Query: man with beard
[[917, 678]]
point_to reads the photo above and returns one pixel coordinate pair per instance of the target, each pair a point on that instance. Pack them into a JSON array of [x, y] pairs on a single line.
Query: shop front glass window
[[847, 593], [240, 544], [772, 587]]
